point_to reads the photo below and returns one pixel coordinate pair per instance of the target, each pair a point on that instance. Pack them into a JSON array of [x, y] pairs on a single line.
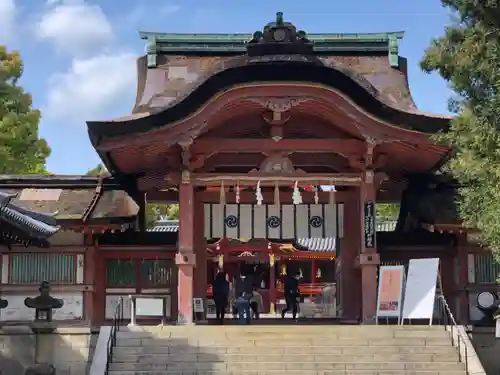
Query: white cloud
[[7, 20], [92, 88], [75, 27]]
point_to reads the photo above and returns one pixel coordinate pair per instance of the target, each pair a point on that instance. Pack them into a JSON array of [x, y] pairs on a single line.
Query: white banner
[[420, 292], [390, 292]]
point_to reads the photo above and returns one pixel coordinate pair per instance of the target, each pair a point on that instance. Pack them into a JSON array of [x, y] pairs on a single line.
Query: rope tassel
[[331, 200], [222, 194], [258, 195], [237, 193], [316, 196], [296, 197]]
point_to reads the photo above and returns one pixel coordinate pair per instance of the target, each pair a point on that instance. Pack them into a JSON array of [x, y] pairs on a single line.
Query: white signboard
[[148, 306], [390, 292], [420, 292], [198, 305]]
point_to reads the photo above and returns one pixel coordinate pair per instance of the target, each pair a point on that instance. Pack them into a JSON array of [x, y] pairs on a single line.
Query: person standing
[[292, 294], [220, 290], [243, 291]]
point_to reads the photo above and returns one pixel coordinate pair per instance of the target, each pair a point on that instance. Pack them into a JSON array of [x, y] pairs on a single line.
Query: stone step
[[286, 336], [327, 334], [282, 327], [291, 366], [297, 349], [214, 341], [231, 358], [290, 372]]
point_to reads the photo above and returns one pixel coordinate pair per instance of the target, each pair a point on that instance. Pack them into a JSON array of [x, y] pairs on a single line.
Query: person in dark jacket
[[220, 290], [243, 292], [292, 294]]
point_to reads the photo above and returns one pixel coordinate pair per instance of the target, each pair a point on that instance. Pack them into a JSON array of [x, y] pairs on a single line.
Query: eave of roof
[[55, 181], [216, 44], [33, 225]]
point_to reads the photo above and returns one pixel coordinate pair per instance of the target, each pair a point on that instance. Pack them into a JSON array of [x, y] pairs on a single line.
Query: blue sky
[[80, 55]]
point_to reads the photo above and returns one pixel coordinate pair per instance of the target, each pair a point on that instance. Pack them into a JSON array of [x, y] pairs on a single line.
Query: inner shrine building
[[277, 147]]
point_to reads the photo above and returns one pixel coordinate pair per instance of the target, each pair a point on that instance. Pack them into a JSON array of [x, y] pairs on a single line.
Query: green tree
[[387, 211], [22, 151], [98, 170], [468, 57], [156, 212]]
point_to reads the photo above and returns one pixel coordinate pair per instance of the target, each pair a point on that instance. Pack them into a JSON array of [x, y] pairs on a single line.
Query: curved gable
[[271, 68]]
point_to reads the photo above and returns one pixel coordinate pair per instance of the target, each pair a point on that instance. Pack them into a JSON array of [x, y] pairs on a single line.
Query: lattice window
[[486, 269], [120, 273], [156, 272], [34, 268]]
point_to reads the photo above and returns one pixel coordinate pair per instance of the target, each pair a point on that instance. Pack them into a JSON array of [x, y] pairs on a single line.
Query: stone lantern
[[43, 327]]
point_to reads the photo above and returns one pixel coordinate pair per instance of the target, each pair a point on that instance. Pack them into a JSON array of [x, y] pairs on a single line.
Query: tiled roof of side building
[[22, 225], [68, 198], [313, 243], [173, 226]]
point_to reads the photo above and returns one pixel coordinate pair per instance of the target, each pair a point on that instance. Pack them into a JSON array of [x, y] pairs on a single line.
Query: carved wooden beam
[[246, 160], [251, 179], [159, 180], [339, 146]]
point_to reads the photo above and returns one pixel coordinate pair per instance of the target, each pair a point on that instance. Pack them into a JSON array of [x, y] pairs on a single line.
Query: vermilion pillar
[[185, 258], [350, 278], [89, 279], [368, 259]]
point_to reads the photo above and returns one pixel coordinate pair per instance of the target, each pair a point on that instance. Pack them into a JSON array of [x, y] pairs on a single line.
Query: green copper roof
[[214, 44]]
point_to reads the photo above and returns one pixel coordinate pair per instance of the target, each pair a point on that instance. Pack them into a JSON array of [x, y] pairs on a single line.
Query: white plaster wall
[[112, 302], [17, 311]]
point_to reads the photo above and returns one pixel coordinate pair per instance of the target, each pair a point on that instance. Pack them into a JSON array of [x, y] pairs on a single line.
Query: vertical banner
[[390, 292], [369, 225]]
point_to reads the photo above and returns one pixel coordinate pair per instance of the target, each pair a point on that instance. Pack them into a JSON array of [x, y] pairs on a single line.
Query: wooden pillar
[[447, 279], [368, 259], [89, 279], [99, 300], [185, 258], [463, 279], [141, 215], [313, 278], [350, 278], [200, 271]]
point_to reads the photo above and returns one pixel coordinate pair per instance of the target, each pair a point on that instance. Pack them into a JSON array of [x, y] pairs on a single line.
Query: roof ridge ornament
[[279, 38], [279, 19]]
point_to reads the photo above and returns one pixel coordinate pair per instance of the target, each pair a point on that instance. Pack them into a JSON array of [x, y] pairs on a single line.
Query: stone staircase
[[286, 349]]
